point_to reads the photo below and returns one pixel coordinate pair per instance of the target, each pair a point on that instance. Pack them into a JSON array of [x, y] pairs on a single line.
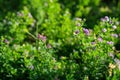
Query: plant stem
[[37, 42]]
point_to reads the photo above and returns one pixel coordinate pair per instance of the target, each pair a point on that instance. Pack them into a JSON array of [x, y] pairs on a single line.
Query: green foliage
[[44, 40]]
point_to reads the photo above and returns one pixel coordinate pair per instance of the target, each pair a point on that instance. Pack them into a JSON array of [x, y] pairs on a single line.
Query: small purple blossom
[[106, 18], [49, 46], [104, 30], [78, 24], [102, 19], [114, 35], [6, 41], [43, 38], [86, 31], [76, 32], [93, 43], [114, 26], [39, 36], [110, 22], [110, 42], [100, 39]]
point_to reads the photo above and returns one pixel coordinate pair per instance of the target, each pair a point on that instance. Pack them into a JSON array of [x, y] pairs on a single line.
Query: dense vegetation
[[59, 40]]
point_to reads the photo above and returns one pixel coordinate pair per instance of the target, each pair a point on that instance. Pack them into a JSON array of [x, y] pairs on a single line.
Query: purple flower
[[114, 35], [78, 24], [86, 31], [104, 30], [100, 39], [76, 32], [110, 42], [106, 18], [49, 46], [43, 38], [93, 43], [6, 41], [102, 19], [110, 22], [39, 36]]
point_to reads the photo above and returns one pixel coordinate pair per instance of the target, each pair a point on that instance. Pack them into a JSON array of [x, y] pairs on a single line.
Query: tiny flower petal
[[92, 43], [6, 41], [49, 46], [39, 36], [110, 42], [110, 22], [114, 35], [102, 19], [76, 32], [104, 30], [86, 31], [43, 38], [100, 39], [78, 24], [107, 18]]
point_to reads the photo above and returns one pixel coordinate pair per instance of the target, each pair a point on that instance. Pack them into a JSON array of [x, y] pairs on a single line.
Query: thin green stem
[[31, 35], [37, 42]]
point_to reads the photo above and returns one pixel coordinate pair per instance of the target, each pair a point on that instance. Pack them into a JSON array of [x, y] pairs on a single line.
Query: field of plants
[[59, 39]]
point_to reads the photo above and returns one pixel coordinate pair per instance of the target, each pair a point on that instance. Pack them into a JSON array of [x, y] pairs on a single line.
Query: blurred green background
[[89, 9], [27, 27]]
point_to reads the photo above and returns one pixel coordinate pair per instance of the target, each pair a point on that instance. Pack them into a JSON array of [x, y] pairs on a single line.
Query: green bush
[[59, 40]]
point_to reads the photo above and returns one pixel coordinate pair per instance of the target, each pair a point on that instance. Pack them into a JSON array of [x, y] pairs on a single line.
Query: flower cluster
[[41, 37], [105, 19], [86, 31]]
